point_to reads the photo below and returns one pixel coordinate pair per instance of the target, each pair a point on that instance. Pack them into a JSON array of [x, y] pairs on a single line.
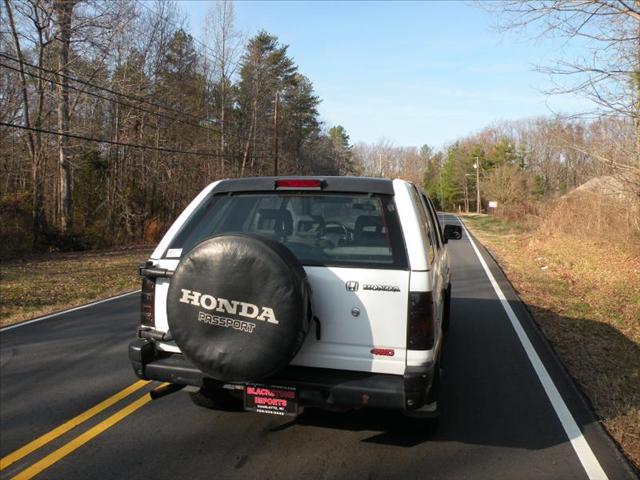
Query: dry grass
[[589, 216], [42, 284], [585, 296]]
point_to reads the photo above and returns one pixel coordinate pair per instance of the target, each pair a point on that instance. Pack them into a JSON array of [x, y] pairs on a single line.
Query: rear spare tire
[[238, 306]]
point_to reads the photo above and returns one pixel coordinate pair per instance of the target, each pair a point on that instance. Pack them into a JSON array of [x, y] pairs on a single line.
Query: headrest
[[366, 222], [280, 222], [369, 230], [310, 224]]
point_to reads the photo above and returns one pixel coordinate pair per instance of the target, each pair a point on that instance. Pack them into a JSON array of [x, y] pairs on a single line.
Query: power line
[[98, 87], [113, 92], [119, 102], [110, 142], [195, 39]]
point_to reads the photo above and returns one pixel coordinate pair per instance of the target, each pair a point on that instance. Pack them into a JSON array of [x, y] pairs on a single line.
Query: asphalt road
[[497, 419]]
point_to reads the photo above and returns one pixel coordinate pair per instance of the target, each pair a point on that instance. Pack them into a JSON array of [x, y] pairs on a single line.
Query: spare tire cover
[[238, 306]]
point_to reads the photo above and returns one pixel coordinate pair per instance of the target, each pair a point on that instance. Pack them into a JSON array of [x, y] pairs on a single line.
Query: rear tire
[[416, 425], [425, 422]]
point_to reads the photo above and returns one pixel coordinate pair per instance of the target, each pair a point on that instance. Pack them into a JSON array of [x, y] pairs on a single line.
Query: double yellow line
[[80, 440]]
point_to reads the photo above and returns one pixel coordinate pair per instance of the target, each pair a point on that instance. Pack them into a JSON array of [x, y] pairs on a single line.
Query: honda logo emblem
[[352, 286]]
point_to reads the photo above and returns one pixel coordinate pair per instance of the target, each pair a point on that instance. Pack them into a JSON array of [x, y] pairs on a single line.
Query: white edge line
[[87, 305], [586, 456]]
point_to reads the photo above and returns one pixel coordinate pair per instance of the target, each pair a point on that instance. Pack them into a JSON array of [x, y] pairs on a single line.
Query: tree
[[342, 150], [502, 153], [112, 109], [432, 178], [39, 15], [610, 75], [507, 184], [64, 17], [220, 25], [265, 69], [457, 186], [299, 119], [383, 159]]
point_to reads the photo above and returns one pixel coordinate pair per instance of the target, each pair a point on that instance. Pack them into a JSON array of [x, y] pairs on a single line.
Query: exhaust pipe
[[164, 390]]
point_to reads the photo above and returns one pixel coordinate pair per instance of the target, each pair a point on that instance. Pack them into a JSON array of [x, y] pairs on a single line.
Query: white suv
[[305, 291]]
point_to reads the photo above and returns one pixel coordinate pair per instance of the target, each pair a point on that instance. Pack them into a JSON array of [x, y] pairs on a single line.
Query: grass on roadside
[[585, 297], [46, 283]]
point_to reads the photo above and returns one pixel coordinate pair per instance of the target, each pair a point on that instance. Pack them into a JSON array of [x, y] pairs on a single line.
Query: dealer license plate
[[271, 399]]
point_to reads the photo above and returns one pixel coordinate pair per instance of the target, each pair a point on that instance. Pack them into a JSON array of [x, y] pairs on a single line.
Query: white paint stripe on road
[[51, 315], [588, 459]]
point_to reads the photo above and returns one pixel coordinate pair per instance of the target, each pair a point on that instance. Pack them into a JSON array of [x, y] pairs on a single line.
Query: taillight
[[421, 319], [147, 302]]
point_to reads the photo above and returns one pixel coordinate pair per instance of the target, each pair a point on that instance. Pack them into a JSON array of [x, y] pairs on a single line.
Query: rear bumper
[[318, 387]]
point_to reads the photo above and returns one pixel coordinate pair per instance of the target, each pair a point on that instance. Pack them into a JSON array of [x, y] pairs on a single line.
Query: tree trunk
[[275, 134], [64, 12], [222, 126], [253, 135], [636, 119], [37, 206], [249, 136], [466, 196]]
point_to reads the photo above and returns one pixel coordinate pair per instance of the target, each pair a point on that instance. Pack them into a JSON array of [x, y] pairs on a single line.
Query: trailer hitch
[[148, 270], [149, 333]]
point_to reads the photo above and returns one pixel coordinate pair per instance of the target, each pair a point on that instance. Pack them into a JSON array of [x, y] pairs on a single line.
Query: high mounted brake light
[[421, 321], [310, 184]]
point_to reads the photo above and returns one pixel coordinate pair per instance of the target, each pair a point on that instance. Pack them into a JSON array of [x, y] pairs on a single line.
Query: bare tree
[[112, 117], [609, 75], [227, 44], [36, 31], [383, 159], [64, 16]]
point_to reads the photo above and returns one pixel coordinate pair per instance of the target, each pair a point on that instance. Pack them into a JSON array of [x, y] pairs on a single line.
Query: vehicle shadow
[[490, 394], [389, 427]]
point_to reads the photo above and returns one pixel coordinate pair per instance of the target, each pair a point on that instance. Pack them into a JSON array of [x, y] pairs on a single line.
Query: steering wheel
[[333, 223], [344, 233]]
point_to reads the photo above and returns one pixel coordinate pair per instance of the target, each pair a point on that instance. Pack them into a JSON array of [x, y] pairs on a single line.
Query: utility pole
[[275, 134], [477, 167]]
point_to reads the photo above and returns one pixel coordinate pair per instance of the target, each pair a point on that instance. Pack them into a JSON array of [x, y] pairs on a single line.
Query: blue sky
[[411, 72]]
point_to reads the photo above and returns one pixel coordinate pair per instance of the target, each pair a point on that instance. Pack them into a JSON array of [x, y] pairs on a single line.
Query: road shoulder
[[606, 445]]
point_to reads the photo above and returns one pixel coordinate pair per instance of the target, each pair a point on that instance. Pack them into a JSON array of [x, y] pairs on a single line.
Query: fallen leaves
[[47, 283]]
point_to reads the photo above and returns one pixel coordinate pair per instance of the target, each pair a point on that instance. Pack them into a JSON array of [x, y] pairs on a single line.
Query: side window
[[432, 228], [425, 226], [438, 222], [434, 220]]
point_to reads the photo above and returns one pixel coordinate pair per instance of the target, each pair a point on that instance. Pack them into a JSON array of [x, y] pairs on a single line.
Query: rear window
[[359, 230]]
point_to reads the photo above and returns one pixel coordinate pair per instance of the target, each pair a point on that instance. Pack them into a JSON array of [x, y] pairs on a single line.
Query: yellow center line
[[80, 440], [65, 427]]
